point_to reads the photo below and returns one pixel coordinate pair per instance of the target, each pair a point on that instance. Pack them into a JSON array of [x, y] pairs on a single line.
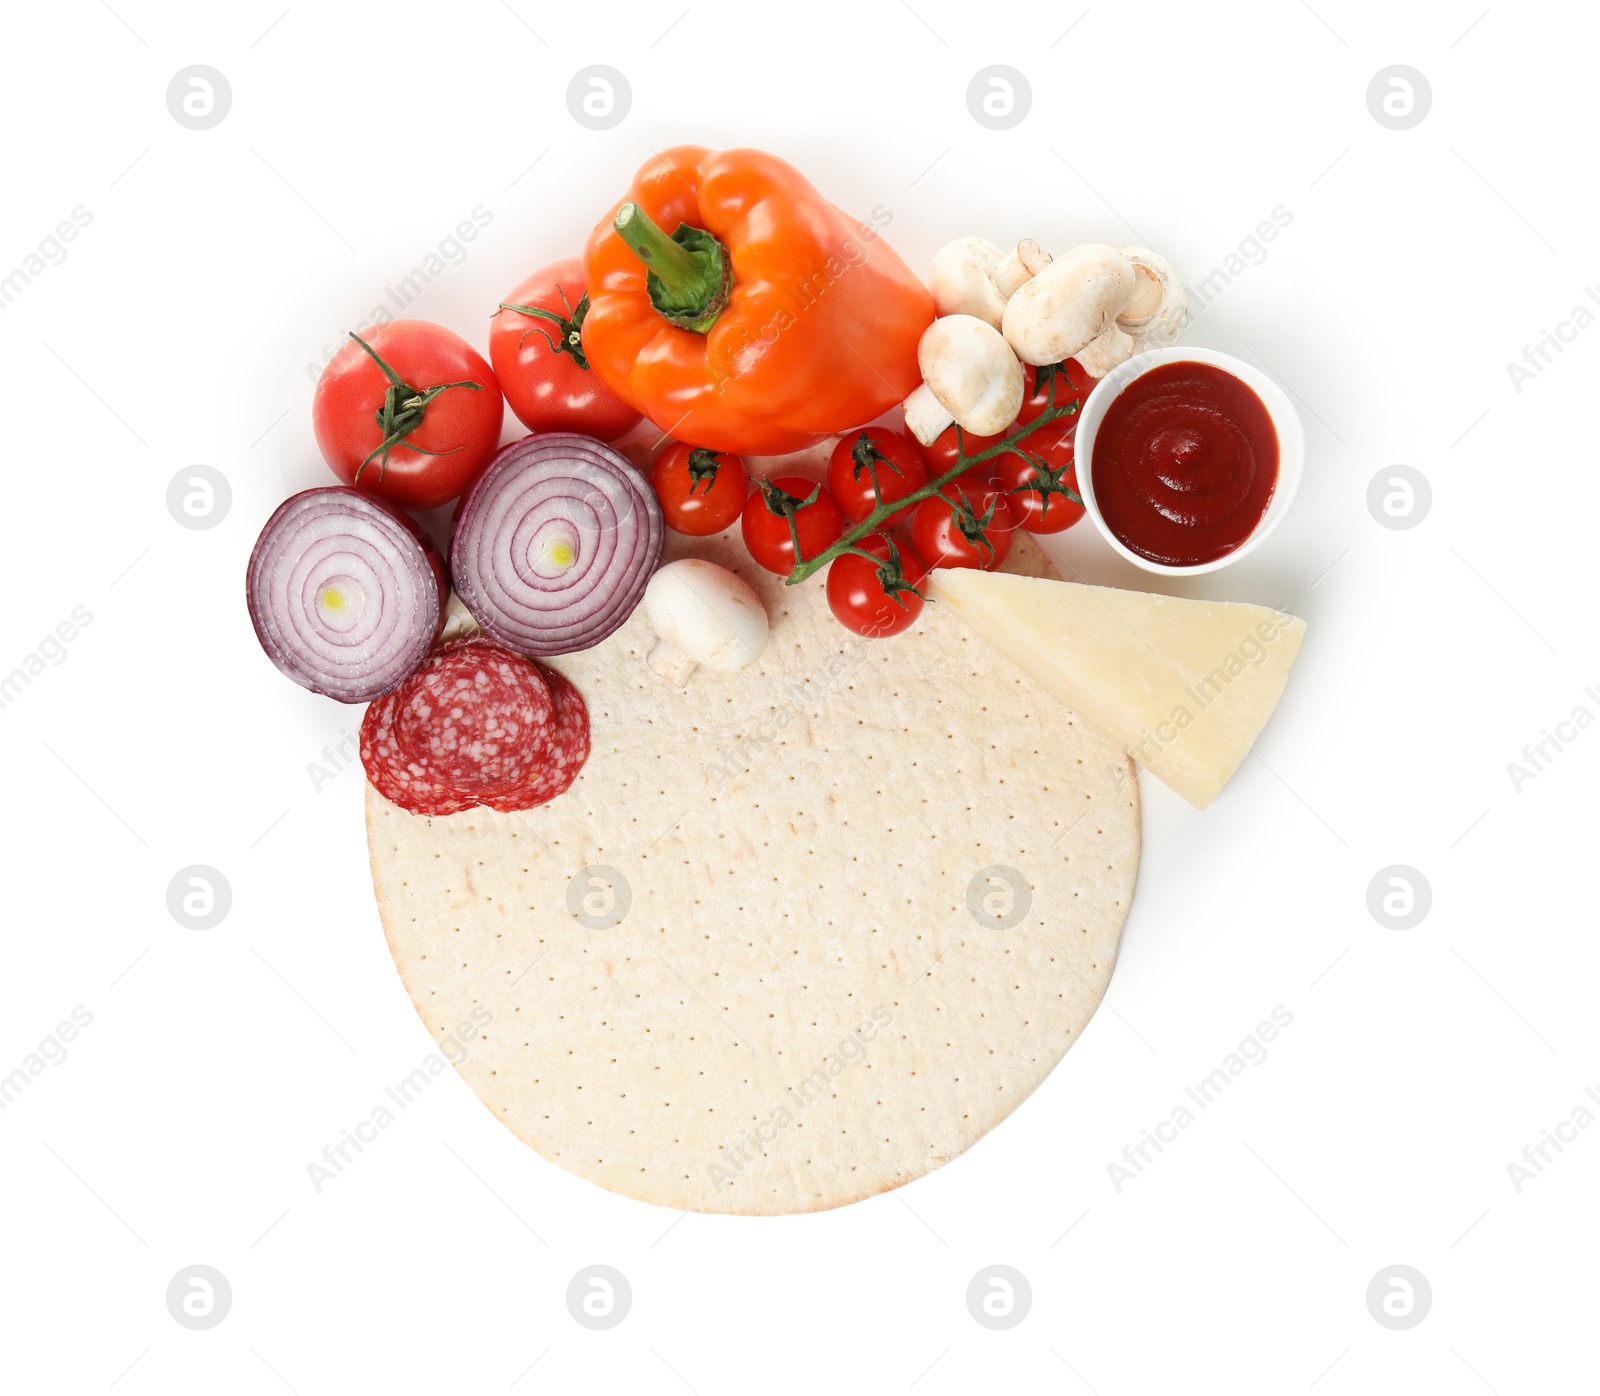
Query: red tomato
[[1072, 383], [409, 412], [767, 516], [876, 599], [874, 465], [537, 347], [967, 524], [701, 491], [941, 456], [1037, 492]]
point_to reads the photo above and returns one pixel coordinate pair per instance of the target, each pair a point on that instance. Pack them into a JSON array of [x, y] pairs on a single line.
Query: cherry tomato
[[409, 412], [968, 524], [1072, 383], [876, 599], [941, 456], [701, 491], [879, 456], [1037, 493], [767, 514], [536, 345]]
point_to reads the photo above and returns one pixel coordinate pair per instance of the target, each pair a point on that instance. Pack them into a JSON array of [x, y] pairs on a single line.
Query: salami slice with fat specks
[[569, 749], [394, 775], [476, 722], [478, 717]]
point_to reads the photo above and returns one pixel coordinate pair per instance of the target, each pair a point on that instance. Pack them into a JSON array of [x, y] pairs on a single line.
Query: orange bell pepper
[[766, 321]]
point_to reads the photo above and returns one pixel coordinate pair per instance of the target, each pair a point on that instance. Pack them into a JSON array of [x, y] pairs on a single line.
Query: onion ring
[[347, 594], [555, 543]]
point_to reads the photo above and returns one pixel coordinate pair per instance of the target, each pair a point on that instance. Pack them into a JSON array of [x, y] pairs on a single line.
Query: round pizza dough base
[[809, 999]]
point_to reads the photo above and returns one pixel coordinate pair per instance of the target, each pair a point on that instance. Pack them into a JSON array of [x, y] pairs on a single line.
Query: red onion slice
[[347, 595], [555, 543]]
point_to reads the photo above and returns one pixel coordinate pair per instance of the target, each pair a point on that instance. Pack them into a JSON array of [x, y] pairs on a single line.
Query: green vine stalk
[[847, 541]]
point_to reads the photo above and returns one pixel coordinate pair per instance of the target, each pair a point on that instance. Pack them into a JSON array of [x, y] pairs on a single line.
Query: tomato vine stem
[[846, 542]]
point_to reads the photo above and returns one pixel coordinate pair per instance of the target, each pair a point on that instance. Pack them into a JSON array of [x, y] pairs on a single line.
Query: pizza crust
[[800, 1007]]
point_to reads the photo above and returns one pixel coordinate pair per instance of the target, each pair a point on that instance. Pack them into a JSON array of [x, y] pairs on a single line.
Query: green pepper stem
[[687, 272], [679, 269]]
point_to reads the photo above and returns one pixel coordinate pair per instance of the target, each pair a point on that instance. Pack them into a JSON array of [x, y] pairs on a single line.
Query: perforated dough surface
[[800, 1007]]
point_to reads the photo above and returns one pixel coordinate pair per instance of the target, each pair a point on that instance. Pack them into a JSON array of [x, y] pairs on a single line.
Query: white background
[[1378, 1131]]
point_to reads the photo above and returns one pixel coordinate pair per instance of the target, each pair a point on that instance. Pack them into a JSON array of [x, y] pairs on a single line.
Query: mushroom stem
[[1104, 352], [926, 416], [1022, 265], [670, 663], [1146, 299], [1159, 308]]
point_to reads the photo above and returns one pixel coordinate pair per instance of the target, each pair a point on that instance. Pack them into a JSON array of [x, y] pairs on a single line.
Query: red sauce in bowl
[[1184, 464]]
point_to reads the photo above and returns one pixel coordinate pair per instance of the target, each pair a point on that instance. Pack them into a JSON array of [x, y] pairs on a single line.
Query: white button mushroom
[[1069, 310], [962, 279], [1097, 304], [969, 376], [971, 276], [1022, 265], [703, 614], [1159, 309]]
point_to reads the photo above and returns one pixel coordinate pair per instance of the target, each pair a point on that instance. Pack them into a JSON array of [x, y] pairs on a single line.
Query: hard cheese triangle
[[1184, 686]]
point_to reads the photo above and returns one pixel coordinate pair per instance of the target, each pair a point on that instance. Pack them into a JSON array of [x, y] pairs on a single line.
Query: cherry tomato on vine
[[1037, 489], [536, 345], [780, 509], [1072, 384], [874, 465], [409, 412], [941, 456], [878, 598], [967, 524], [702, 492]]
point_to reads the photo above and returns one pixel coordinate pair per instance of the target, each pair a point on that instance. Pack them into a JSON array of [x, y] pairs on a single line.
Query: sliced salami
[[569, 749], [476, 725], [393, 774], [474, 722], [477, 718]]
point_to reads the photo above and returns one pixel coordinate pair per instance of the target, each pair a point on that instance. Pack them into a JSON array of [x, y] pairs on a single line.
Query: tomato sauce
[[1185, 463]]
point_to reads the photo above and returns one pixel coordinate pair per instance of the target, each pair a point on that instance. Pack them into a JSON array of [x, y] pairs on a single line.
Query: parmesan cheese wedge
[[1184, 687]]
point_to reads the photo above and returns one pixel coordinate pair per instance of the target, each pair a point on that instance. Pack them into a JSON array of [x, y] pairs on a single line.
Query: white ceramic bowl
[[1291, 448]]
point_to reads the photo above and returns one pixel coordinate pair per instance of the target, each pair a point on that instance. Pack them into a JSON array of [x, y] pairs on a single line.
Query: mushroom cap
[[968, 366], [1068, 303], [962, 279], [707, 613]]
